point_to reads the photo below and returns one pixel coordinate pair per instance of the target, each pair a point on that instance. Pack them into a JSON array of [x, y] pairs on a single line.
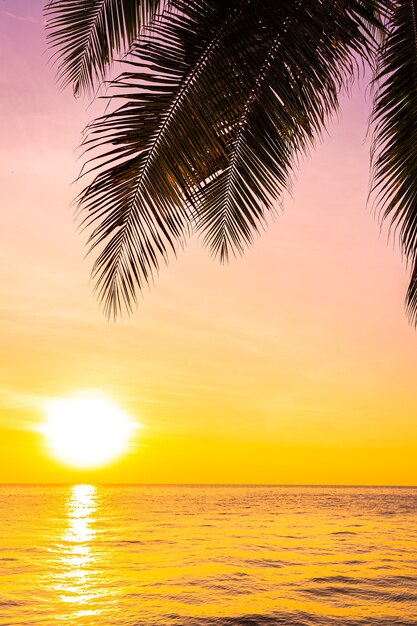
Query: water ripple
[[208, 556]]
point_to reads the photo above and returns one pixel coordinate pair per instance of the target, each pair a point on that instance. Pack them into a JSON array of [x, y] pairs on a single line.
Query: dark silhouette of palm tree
[[217, 101]]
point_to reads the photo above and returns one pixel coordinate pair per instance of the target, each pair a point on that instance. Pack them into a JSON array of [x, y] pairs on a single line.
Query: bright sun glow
[[86, 430]]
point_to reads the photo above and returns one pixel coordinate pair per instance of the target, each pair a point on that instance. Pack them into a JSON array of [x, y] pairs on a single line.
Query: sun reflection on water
[[79, 581]]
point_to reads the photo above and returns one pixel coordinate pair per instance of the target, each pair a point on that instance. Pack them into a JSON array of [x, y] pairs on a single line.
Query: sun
[[86, 430]]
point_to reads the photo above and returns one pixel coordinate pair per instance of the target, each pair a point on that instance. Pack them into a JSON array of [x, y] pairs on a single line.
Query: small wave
[[254, 619], [292, 536], [142, 542], [361, 589], [329, 591], [293, 618], [274, 563], [393, 596], [6, 603], [347, 580]]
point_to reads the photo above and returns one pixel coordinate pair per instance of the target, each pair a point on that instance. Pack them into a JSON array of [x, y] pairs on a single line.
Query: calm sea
[[198, 556]]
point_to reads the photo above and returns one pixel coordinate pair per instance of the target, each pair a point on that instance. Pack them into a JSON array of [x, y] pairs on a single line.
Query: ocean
[[207, 555]]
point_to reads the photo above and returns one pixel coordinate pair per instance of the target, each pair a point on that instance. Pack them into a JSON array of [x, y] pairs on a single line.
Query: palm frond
[[286, 77], [160, 149], [395, 134], [87, 33], [411, 298], [220, 97]]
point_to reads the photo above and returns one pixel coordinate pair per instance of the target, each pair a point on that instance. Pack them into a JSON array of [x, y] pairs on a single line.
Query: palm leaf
[[395, 138], [300, 56], [220, 98], [140, 197], [87, 33]]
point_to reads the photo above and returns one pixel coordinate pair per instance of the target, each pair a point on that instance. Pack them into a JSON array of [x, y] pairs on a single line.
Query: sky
[[294, 364]]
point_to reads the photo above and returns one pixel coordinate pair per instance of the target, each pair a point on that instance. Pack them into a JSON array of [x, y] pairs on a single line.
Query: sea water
[[207, 555]]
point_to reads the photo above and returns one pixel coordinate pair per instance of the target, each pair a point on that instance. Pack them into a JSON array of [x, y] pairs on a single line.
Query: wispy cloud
[[21, 18], [11, 399], [18, 411]]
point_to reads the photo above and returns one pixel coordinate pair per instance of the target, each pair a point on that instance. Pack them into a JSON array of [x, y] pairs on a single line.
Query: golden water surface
[[142, 555]]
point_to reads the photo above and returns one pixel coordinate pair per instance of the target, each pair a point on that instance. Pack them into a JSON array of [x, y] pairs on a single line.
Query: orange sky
[[294, 364]]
